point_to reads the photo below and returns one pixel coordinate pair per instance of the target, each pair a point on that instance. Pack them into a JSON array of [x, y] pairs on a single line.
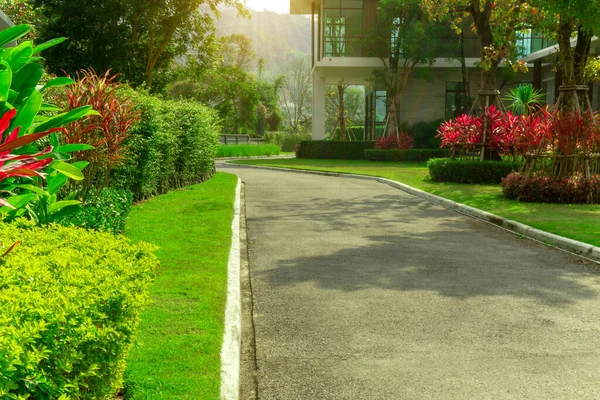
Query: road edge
[[560, 242], [231, 349]]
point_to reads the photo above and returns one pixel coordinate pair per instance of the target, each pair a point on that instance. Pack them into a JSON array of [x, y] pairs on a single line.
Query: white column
[[318, 109]]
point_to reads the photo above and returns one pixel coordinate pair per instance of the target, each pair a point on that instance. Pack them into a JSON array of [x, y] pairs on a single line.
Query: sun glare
[[279, 6]]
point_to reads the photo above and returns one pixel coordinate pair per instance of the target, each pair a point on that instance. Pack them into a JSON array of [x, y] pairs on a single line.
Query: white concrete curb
[[232, 339], [560, 242]]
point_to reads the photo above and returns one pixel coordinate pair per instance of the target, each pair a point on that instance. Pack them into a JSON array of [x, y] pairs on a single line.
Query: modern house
[[340, 57]]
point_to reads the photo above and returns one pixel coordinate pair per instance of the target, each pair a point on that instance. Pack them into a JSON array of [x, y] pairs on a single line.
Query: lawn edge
[[560, 242], [231, 349]]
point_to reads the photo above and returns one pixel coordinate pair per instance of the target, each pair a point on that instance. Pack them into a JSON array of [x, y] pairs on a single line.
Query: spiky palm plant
[[524, 98]]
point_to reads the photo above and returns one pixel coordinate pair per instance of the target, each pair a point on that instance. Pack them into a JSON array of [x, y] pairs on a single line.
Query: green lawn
[[247, 150], [178, 354], [579, 222]]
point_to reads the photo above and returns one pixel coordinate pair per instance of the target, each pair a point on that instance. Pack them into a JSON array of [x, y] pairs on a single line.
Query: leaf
[[69, 148], [19, 201], [64, 118], [63, 81], [32, 188], [50, 107], [55, 183], [20, 56], [25, 80], [48, 44], [23, 140], [59, 205], [5, 80], [67, 169], [13, 33], [28, 112], [11, 248]]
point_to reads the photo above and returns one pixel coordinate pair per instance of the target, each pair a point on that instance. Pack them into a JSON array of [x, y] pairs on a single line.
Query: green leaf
[[54, 142], [25, 81], [59, 205], [55, 183], [67, 169], [13, 33], [48, 44], [64, 119], [50, 107], [69, 148], [18, 201], [32, 188], [5, 80], [63, 81], [20, 56], [28, 112], [81, 165]]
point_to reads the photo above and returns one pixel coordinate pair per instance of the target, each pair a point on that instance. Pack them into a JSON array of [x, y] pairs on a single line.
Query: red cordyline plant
[[391, 142], [20, 165], [106, 132]]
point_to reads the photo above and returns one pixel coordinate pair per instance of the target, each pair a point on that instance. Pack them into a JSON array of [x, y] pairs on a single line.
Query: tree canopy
[[136, 38]]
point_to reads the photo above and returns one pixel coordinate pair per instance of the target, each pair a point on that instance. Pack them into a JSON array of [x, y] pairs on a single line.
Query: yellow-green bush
[[70, 303]]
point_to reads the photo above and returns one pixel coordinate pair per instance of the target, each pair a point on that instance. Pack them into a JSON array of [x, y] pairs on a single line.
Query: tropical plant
[[524, 99], [106, 131]]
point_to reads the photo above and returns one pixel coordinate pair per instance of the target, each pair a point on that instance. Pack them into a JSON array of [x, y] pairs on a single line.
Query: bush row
[[247, 150], [286, 141], [337, 150], [404, 155], [469, 171], [173, 145], [69, 308], [544, 189]]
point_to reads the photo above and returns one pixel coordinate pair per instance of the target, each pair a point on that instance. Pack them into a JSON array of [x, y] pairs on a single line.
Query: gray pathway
[[364, 292]]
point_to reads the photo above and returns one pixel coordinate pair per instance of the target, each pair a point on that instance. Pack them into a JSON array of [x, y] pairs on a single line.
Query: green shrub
[[69, 308], [105, 211], [404, 155], [247, 150], [173, 145], [337, 150], [469, 171], [286, 141], [424, 134]]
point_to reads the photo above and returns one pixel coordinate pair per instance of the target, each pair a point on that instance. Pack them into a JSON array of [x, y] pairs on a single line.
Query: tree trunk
[[342, 112]]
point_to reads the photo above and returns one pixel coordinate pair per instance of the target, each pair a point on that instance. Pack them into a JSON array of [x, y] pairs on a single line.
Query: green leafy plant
[[70, 305], [470, 171], [524, 99]]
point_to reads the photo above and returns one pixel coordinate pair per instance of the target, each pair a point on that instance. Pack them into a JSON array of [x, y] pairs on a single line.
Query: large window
[[343, 28], [456, 100]]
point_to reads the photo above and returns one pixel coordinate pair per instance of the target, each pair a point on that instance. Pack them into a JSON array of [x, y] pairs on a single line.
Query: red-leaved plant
[[20, 165], [392, 142], [107, 132]]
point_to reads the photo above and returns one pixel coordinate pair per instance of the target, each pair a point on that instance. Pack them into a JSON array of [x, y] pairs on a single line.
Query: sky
[[280, 6]]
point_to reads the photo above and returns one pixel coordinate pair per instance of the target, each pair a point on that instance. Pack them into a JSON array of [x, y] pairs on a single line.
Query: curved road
[[362, 291]]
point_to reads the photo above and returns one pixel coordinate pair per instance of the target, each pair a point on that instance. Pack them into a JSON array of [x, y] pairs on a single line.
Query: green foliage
[[69, 308], [524, 98], [355, 133], [286, 141], [404, 155], [106, 210], [470, 171], [424, 134], [330, 149], [173, 145], [247, 150]]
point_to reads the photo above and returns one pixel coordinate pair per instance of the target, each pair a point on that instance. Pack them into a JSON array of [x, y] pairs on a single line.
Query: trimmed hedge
[[105, 211], [174, 145], [70, 305], [247, 150], [544, 189], [469, 171], [404, 155], [336, 150], [286, 141]]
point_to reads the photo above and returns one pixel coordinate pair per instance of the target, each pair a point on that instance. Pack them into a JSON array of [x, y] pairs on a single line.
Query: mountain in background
[[273, 35]]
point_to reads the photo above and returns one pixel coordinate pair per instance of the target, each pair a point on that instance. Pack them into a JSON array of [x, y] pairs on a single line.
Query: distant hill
[[273, 35]]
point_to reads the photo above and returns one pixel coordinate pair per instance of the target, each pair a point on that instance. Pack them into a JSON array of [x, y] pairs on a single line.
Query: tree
[[497, 24], [22, 12], [565, 20], [409, 40], [295, 91], [136, 38]]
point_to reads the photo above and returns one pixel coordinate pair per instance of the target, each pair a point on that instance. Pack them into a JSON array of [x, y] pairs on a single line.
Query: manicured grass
[[575, 221], [247, 150], [180, 337]]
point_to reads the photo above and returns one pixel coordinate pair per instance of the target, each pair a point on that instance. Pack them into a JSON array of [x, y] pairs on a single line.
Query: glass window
[[380, 106], [456, 101], [343, 28]]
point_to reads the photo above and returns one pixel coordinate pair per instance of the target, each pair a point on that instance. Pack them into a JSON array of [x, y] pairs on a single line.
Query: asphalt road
[[361, 291]]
